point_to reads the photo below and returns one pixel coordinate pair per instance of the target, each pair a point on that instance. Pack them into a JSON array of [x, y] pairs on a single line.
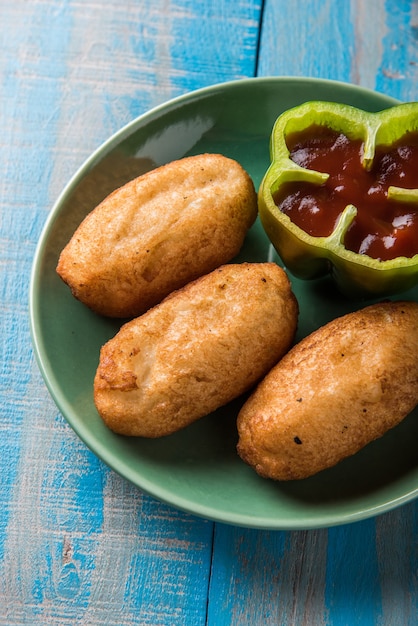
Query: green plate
[[197, 469]]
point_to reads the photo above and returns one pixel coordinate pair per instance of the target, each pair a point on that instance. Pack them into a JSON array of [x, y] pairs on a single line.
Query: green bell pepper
[[308, 256]]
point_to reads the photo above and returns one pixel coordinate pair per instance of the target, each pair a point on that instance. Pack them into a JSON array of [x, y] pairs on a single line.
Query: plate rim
[[101, 451]]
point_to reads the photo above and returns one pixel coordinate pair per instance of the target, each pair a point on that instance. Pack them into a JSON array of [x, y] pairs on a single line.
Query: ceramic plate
[[197, 469]]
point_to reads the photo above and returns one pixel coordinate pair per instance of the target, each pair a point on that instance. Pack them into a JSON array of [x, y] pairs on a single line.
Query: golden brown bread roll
[[334, 392], [198, 349], [157, 233]]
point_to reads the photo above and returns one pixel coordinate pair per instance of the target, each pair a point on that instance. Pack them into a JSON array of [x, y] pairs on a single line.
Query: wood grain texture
[[263, 577], [84, 546], [78, 544], [315, 40]]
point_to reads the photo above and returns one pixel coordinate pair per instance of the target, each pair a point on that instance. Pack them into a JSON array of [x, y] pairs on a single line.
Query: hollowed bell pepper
[[308, 256]]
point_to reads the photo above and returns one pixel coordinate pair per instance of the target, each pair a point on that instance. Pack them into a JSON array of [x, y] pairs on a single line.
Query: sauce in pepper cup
[[341, 195]]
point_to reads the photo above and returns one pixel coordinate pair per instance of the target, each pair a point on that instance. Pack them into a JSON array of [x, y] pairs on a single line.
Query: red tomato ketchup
[[383, 229]]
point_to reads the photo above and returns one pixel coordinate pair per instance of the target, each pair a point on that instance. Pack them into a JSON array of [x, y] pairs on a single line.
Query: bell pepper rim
[[369, 127]]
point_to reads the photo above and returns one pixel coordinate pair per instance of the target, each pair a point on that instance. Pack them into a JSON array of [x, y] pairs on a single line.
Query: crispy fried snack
[[157, 233], [334, 392], [198, 349]]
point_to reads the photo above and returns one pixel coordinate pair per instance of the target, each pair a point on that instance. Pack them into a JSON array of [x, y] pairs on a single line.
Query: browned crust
[[157, 233], [201, 347], [338, 389]]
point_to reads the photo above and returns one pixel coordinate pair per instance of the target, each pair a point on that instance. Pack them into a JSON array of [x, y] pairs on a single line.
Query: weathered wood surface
[[78, 544]]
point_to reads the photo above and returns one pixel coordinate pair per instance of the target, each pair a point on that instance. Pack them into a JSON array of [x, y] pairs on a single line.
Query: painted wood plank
[[310, 39], [269, 578], [371, 44], [123, 62], [397, 554], [397, 74], [84, 546], [79, 545]]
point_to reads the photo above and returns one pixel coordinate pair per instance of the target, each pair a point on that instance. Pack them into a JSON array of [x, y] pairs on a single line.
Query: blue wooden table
[[78, 543]]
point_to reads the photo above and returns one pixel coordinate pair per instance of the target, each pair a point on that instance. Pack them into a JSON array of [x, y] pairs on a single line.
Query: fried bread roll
[[334, 392], [157, 233], [198, 349]]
